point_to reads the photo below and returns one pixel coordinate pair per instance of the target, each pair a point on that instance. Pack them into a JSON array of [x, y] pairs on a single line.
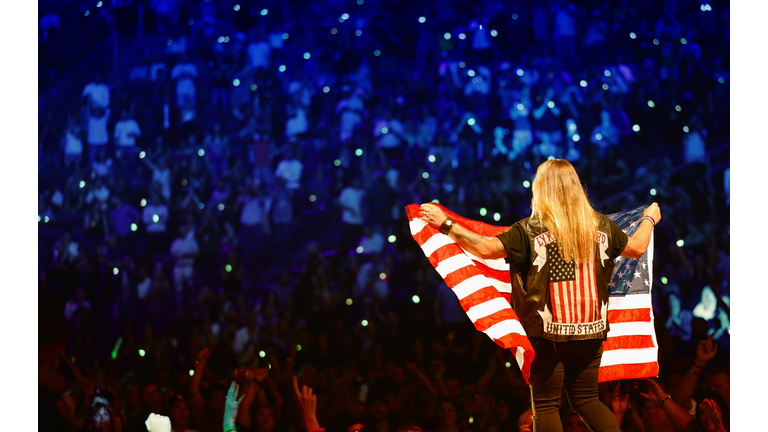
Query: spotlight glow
[[312, 198], [237, 7], [201, 152], [360, 249], [384, 130], [651, 104], [483, 211], [598, 136], [155, 218], [377, 52], [653, 192], [462, 36], [307, 56], [334, 31], [583, 83], [82, 184], [142, 353], [345, 16], [142, 154], [326, 89], [254, 87], [416, 299], [447, 36], [262, 354], [228, 268], [664, 280], [281, 68], [191, 372], [576, 137], [655, 41], [632, 35], [143, 202], [462, 64], [551, 104], [678, 108], [471, 72], [605, 87], [134, 227], [392, 238], [680, 243], [364, 323], [236, 82], [422, 19], [359, 152], [520, 72], [382, 276], [684, 41], [358, 33], [607, 73], [349, 302], [285, 36], [264, 12], [115, 271], [431, 158], [636, 128], [494, 33], [526, 184], [685, 129], [496, 217], [221, 207], [337, 162], [471, 121], [425, 175]]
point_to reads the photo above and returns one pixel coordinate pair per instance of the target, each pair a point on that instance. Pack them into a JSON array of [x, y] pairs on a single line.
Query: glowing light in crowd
[[721, 80], [598, 136], [384, 130], [471, 72], [312, 198], [605, 87], [201, 206], [237, 7], [462, 64], [685, 129], [706, 7], [281, 68], [326, 89], [416, 299], [221, 207], [220, 39], [462, 36], [191, 372], [334, 31], [142, 154], [392, 238], [264, 12], [262, 354], [431, 158], [115, 271], [680, 243], [142, 353], [632, 35], [655, 41], [678, 108], [99, 4], [228, 268], [520, 72], [471, 121], [307, 56], [607, 73], [170, 42], [425, 175], [514, 16], [359, 2], [496, 217], [520, 107], [359, 152], [653, 191], [38, 218], [201, 152], [298, 347], [134, 227], [447, 36], [436, 201], [155, 218], [254, 87], [337, 162], [494, 33], [684, 41], [583, 83], [483, 211], [422, 19], [358, 33], [345, 16], [349, 302], [636, 128], [360, 249], [82, 184], [285, 36], [526, 184], [377, 52], [236, 82], [382, 276], [508, 364], [551, 104], [664, 280], [651, 104], [87, 13], [364, 323], [143, 202]]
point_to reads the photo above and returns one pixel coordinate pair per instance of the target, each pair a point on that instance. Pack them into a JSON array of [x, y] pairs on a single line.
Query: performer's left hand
[[432, 214]]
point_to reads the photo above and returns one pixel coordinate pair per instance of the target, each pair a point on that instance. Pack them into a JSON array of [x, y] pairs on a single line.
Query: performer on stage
[[561, 259]]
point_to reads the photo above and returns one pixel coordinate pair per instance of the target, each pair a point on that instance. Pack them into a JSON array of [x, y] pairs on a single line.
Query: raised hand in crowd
[[158, 423], [705, 351], [712, 416], [619, 404], [231, 406], [307, 404], [677, 415]]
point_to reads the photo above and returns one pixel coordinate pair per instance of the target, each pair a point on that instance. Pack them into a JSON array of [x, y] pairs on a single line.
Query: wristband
[[694, 372], [665, 398], [445, 228], [700, 367], [231, 428], [653, 221]]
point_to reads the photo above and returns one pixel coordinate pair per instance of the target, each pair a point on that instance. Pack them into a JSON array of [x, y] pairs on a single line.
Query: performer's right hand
[[653, 211]]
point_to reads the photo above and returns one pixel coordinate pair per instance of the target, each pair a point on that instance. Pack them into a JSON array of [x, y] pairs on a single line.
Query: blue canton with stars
[[630, 275]]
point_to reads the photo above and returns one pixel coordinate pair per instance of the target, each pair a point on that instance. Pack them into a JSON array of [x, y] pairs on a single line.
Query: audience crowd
[[226, 203]]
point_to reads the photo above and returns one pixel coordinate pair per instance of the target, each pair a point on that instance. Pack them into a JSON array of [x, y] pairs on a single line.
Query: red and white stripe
[[575, 302], [482, 286]]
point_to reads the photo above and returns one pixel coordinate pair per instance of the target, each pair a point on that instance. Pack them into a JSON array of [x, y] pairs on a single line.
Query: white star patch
[[637, 274], [646, 282]]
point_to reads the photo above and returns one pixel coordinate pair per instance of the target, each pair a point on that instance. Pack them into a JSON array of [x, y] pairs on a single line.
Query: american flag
[[483, 288]]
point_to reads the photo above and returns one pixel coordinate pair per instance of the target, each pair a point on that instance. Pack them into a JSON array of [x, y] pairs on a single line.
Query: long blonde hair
[[562, 206]]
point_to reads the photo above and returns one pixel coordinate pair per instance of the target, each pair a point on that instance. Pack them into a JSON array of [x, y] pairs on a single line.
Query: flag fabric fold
[[483, 288]]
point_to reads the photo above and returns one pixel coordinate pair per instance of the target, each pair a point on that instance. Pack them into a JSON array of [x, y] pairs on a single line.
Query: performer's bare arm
[[477, 245], [638, 243]]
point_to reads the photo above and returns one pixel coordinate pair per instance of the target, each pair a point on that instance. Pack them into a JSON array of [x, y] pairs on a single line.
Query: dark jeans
[[575, 366]]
